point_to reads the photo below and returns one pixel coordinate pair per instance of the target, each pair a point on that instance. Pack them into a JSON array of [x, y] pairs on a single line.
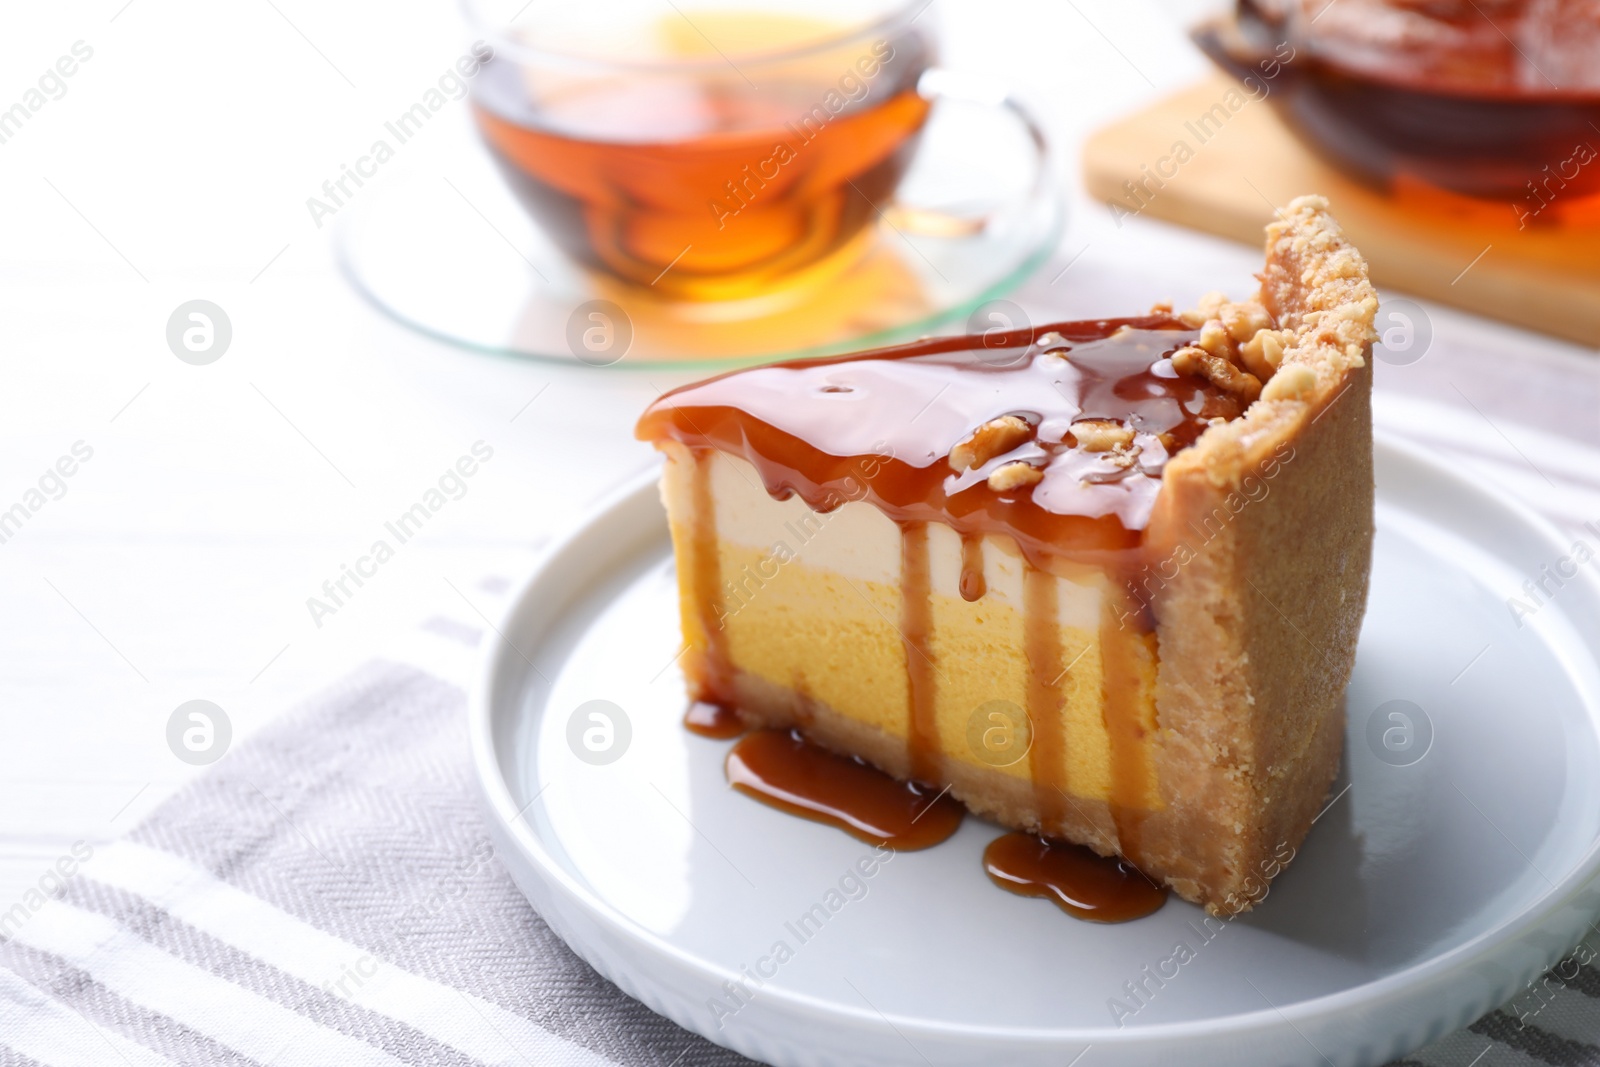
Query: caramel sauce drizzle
[[1041, 640], [1079, 882], [781, 769], [879, 427], [784, 771], [916, 630], [716, 721], [973, 586]]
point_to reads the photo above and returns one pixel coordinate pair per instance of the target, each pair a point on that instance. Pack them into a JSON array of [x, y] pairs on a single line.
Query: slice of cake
[[1103, 580]]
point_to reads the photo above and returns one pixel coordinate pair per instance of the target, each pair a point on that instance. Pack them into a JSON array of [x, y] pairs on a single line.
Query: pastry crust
[[1258, 629]]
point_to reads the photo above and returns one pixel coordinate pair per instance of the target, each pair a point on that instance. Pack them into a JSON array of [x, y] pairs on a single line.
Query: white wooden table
[[178, 560]]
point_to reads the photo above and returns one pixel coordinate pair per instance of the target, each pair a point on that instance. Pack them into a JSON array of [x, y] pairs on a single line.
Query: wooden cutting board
[[1460, 252]]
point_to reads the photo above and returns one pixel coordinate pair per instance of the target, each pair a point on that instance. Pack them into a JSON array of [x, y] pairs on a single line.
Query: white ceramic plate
[[1456, 866]]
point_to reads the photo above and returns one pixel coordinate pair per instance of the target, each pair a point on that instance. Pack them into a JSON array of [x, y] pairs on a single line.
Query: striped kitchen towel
[[327, 895]]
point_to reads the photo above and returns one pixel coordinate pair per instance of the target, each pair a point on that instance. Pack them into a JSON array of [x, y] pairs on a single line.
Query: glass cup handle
[[969, 217]]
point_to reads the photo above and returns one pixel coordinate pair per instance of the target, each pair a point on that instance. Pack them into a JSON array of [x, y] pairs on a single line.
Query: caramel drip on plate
[[1079, 882], [972, 584], [1120, 705], [1041, 643], [706, 583], [916, 629], [717, 721], [783, 771]]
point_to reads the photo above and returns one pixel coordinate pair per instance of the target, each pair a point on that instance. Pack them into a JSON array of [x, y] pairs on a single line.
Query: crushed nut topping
[[1015, 475], [1218, 371], [994, 438], [1102, 435], [1124, 458], [1263, 352], [1238, 348], [1214, 339], [1244, 320]]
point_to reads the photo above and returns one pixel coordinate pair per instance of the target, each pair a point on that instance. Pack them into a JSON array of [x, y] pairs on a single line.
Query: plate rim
[[501, 806]]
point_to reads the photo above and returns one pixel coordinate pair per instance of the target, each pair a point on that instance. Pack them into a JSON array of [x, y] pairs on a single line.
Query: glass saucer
[[454, 256]]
